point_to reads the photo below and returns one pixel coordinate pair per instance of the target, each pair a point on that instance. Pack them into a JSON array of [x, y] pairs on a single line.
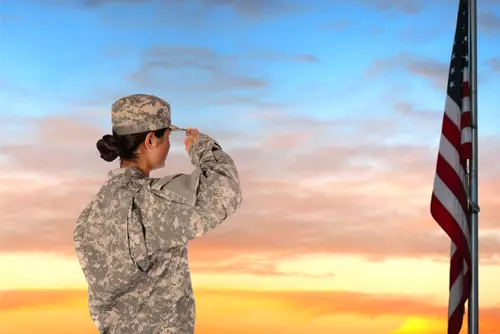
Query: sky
[[332, 111]]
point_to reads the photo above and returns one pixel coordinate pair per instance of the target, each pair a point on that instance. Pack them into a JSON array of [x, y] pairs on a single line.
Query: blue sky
[[209, 60]]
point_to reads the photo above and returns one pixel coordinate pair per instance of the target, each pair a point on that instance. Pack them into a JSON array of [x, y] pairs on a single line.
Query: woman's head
[[146, 148], [141, 129]]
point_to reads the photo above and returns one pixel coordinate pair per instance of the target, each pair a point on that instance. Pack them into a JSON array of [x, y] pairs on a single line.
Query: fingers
[[192, 132]]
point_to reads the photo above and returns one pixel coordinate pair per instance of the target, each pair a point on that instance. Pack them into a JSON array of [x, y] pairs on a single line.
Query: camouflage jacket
[[131, 241]]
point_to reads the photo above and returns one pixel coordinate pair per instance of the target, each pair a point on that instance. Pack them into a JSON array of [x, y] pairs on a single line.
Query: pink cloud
[[346, 197]]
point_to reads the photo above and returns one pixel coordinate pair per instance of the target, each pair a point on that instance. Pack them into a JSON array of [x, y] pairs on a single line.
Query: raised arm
[[186, 206]]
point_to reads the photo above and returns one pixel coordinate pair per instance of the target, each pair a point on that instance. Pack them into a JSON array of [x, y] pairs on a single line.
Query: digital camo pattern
[[131, 241], [139, 113]]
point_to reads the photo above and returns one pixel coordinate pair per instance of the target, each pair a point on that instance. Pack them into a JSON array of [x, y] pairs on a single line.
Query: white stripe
[[465, 104], [450, 202], [466, 74], [450, 154], [453, 111], [466, 135]]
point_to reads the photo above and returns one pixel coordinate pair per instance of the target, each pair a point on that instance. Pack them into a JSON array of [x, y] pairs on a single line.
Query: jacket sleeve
[[185, 206]]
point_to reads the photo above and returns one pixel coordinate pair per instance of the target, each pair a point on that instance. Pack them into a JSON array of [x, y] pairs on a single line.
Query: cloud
[[433, 71], [337, 25], [279, 57], [22, 299], [408, 110], [313, 304], [8, 18], [493, 63], [488, 23], [255, 8], [422, 35], [335, 196], [95, 3], [237, 311], [251, 265], [14, 90], [165, 65], [413, 7], [186, 69], [217, 78], [404, 6], [251, 9]]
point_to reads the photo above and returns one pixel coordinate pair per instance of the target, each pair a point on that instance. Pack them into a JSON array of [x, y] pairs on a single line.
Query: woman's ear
[[151, 141]]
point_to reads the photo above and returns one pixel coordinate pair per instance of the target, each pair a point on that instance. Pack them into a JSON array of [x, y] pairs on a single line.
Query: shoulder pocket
[[180, 188]]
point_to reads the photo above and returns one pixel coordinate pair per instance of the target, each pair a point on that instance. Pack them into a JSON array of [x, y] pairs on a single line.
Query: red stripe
[[467, 282], [465, 120], [456, 320], [466, 150], [465, 89], [456, 265], [451, 132]]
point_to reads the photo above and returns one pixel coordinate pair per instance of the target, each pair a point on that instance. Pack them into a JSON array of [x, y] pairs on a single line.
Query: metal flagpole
[[473, 304]]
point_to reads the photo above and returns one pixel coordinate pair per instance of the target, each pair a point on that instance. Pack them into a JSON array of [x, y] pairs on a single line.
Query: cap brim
[[176, 128]]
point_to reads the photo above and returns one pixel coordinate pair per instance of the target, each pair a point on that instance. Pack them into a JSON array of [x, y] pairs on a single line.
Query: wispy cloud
[[337, 25], [404, 6], [432, 70], [251, 9], [493, 63], [413, 7], [489, 23], [290, 184], [304, 311]]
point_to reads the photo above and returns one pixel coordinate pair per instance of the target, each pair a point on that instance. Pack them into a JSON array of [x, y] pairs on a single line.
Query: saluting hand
[[191, 135]]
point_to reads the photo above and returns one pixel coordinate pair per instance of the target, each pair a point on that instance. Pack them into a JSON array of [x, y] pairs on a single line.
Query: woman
[[131, 240]]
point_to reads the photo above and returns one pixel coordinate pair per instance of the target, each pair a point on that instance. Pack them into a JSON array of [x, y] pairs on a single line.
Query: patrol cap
[[140, 113]]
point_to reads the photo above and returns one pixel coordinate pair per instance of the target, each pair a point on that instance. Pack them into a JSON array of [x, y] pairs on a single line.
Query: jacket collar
[[128, 171]]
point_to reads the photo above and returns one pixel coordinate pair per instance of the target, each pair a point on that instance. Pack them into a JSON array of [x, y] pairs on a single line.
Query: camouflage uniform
[[131, 240]]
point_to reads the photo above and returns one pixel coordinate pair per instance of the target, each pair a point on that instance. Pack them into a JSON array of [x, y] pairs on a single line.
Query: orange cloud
[[225, 311], [25, 299], [346, 195]]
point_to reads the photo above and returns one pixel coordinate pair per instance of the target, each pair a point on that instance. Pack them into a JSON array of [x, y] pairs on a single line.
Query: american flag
[[449, 203]]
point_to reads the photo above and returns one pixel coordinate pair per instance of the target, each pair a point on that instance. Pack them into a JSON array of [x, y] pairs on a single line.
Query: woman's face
[[158, 155]]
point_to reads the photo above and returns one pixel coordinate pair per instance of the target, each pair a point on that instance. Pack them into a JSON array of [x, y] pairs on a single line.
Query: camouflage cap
[[140, 113]]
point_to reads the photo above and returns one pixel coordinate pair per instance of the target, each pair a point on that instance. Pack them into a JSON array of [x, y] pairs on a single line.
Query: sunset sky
[[332, 111]]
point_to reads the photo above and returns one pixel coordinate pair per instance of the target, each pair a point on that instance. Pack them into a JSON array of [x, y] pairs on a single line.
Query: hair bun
[[109, 147]]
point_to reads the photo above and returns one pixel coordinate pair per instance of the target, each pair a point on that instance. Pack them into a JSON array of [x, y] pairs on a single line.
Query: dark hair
[[125, 147]]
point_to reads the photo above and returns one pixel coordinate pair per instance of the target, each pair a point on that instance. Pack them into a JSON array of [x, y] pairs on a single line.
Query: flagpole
[[473, 304]]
